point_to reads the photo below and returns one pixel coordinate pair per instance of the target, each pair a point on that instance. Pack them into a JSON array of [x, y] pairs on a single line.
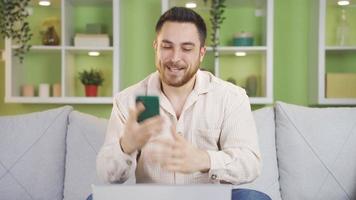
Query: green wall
[[291, 50], [291, 23]]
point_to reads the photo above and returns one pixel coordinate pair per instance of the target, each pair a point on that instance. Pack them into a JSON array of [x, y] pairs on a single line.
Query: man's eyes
[[187, 49], [166, 46], [184, 48]]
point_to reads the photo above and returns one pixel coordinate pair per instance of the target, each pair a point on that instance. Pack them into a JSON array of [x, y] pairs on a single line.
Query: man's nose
[[176, 56]]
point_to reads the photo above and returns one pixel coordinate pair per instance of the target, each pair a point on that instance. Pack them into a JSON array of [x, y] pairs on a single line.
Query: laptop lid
[[162, 192]]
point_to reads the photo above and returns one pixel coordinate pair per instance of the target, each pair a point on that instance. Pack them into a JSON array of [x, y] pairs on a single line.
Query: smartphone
[[151, 104]]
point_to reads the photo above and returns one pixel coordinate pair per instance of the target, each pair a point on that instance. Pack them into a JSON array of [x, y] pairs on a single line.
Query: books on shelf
[[91, 40]]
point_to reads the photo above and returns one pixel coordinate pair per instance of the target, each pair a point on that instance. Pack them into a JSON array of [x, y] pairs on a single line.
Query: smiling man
[[212, 136]]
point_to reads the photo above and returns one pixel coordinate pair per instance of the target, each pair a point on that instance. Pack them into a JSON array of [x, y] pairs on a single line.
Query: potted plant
[[13, 24], [91, 80]]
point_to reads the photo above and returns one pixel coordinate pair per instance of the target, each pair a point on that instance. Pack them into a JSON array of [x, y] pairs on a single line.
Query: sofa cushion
[[32, 155], [85, 136], [316, 149], [267, 182]]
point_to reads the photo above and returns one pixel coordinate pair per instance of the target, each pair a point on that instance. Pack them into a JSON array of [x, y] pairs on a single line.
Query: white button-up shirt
[[216, 117]]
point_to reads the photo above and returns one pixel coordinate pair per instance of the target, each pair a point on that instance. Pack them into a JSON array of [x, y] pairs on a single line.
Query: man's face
[[178, 53]]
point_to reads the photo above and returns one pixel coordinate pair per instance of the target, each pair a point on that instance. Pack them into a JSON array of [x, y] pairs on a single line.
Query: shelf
[[60, 100], [61, 64], [337, 101], [41, 47], [340, 48], [233, 49], [331, 64], [255, 17], [86, 49]]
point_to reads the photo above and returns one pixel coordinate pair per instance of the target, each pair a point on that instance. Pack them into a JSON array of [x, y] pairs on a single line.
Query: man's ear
[[154, 44], [202, 53]]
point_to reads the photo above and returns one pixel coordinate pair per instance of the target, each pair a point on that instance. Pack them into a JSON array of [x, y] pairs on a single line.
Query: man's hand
[[184, 157], [136, 134]]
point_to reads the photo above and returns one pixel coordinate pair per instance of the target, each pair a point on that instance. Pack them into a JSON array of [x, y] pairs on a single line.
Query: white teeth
[[174, 68]]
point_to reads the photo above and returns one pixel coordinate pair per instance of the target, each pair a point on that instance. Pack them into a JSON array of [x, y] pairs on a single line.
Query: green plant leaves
[[216, 18], [13, 15], [92, 77]]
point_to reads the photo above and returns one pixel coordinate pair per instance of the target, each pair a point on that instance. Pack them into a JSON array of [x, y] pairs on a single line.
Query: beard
[[177, 74]]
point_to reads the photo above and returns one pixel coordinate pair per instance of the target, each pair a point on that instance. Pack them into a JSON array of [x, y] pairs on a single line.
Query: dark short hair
[[182, 14]]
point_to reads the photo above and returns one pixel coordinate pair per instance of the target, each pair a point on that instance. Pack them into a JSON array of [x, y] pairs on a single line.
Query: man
[[213, 136]]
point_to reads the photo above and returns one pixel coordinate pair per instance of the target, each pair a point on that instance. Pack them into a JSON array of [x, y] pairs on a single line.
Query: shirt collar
[[202, 82]]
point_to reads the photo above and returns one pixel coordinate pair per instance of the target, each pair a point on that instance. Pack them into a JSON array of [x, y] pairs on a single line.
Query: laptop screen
[[162, 192]]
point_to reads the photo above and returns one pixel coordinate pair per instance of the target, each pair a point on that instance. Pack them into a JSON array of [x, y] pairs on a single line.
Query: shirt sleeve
[[238, 160], [113, 165]]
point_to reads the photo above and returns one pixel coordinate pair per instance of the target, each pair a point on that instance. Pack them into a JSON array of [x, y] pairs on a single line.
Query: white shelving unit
[[263, 50], [65, 60], [324, 47]]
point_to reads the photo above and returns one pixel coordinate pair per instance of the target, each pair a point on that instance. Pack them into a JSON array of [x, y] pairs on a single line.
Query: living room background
[[291, 49]]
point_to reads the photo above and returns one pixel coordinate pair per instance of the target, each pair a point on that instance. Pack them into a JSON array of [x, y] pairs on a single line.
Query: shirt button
[[214, 176], [129, 162]]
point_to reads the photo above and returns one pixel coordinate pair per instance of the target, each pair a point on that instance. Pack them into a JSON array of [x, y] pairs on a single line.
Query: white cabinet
[[255, 17], [333, 61], [60, 64]]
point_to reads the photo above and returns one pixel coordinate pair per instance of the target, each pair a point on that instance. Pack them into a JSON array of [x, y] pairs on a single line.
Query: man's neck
[[178, 95]]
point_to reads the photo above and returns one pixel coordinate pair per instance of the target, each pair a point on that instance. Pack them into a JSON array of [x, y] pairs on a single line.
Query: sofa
[[308, 153]]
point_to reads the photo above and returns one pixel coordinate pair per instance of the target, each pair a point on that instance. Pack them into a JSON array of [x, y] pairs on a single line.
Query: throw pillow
[[86, 135], [32, 155], [316, 149]]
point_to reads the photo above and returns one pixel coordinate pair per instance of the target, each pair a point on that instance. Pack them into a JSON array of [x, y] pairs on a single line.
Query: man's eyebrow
[[167, 41], [183, 44]]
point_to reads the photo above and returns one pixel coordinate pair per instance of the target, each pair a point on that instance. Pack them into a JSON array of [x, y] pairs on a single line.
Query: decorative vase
[[243, 39], [342, 30], [91, 90], [251, 86], [28, 90], [50, 37], [56, 90], [43, 90]]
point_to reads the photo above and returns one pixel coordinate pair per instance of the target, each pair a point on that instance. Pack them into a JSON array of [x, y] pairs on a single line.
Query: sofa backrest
[[316, 149], [85, 136], [32, 155]]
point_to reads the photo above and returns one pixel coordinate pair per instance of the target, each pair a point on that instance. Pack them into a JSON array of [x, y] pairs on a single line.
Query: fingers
[[174, 162], [173, 165], [152, 126], [140, 108], [164, 142], [135, 112], [153, 120]]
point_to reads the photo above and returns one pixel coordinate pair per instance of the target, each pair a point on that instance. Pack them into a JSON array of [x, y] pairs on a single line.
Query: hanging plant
[[217, 9], [13, 25]]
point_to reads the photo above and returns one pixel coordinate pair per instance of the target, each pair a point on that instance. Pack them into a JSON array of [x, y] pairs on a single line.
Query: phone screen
[[151, 104]]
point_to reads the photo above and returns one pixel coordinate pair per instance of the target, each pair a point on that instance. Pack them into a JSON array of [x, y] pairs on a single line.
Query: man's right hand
[[135, 134]]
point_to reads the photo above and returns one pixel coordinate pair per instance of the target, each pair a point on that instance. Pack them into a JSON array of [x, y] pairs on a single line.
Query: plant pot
[[91, 90]]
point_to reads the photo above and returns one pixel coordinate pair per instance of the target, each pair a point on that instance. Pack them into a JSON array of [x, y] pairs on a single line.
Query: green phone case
[[151, 104]]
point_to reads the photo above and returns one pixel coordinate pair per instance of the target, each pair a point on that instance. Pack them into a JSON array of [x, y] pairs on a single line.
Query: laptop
[[162, 192]]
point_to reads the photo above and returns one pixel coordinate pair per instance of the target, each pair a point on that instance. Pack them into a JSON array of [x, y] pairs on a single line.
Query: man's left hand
[[183, 157]]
